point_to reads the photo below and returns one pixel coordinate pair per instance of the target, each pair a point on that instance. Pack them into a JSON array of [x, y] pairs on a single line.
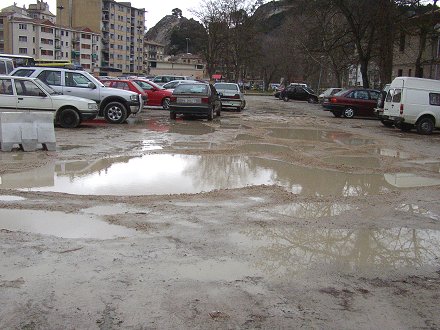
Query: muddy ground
[[277, 217]]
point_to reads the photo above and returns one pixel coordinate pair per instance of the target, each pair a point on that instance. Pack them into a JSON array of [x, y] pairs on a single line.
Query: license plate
[[188, 100]]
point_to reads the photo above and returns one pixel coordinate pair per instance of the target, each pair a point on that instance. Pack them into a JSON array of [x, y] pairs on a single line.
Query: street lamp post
[[187, 47]]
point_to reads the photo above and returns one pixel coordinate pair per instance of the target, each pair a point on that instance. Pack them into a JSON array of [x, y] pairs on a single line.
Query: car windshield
[[311, 91], [138, 87], [46, 88], [199, 89], [229, 87]]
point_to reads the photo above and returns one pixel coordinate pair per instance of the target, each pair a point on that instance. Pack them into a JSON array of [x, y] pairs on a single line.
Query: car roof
[[16, 77]]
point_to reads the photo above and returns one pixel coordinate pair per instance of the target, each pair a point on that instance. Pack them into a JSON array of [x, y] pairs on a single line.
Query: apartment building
[[122, 27], [43, 39], [153, 52]]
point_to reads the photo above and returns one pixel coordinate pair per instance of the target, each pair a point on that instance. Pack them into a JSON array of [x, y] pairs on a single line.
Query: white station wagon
[[22, 93]]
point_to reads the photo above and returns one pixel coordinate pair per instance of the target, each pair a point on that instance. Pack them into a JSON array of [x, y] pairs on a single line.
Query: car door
[[77, 84], [31, 97], [51, 78], [154, 98], [374, 96], [8, 99], [301, 94], [360, 101]]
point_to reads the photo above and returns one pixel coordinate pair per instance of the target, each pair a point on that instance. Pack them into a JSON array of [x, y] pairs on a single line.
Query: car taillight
[[205, 99], [173, 98], [401, 108], [333, 100]]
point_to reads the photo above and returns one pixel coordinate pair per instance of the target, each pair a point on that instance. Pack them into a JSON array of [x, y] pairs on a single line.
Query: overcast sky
[[156, 9]]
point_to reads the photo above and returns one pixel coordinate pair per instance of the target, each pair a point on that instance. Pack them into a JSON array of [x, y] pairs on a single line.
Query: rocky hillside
[[161, 32]]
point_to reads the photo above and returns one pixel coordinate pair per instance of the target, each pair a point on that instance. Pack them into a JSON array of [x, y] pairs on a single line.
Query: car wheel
[[349, 112], [425, 126], [69, 118], [311, 100], [166, 103], [218, 111], [115, 113], [211, 114], [337, 114], [387, 123], [238, 109], [173, 115], [285, 98]]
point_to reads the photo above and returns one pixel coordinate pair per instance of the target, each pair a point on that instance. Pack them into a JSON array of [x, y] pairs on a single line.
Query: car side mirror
[[91, 85]]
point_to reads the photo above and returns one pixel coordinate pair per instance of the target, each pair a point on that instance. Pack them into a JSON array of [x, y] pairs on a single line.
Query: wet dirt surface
[[280, 216]]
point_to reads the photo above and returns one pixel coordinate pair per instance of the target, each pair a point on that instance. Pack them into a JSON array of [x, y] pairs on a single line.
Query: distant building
[[40, 10], [182, 64], [122, 27], [153, 52]]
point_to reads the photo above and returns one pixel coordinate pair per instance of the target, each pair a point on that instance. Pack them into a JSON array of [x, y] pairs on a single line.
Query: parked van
[[413, 102], [6, 65]]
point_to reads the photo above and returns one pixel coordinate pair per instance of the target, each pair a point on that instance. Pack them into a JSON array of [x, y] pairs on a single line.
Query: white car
[[22, 93], [231, 96]]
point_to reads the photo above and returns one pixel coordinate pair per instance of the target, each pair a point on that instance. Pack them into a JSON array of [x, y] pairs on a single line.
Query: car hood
[[227, 92], [117, 92], [71, 98]]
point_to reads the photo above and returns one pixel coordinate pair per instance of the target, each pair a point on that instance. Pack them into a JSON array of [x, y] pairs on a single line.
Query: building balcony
[[105, 18]]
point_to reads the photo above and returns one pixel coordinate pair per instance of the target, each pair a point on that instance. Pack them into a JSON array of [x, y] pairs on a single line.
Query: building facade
[[122, 27], [183, 65]]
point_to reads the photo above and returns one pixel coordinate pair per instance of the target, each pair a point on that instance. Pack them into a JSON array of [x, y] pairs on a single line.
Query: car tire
[[166, 103], [387, 123], [425, 126], [115, 113], [285, 98], [69, 118], [349, 112], [173, 115], [337, 114], [211, 114], [312, 100], [218, 112], [238, 109]]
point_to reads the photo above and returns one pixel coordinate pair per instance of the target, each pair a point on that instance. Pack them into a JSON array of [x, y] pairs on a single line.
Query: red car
[[127, 85], [157, 96], [353, 102]]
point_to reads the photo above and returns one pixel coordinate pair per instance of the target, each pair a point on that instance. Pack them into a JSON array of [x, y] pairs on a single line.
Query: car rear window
[[191, 89], [397, 96], [229, 87]]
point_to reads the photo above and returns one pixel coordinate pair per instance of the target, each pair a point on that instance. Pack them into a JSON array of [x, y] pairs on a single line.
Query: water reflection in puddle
[[282, 251], [174, 174], [415, 209], [393, 153], [319, 136], [363, 162], [61, 224], [7, 198], [247, 137], [265, 148], [311, 210], [115, 209]]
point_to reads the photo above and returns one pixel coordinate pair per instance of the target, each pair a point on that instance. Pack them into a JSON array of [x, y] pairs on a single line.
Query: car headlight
[[93, 106], [134, 98]]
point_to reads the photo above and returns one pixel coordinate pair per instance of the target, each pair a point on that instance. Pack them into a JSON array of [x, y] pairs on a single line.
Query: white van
[[413, 102]]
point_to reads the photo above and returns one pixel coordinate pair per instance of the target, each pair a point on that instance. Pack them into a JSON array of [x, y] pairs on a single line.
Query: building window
[[85, 46], [22, 50], [399, 73], [67, 33], [62, 33], [409, 72], [46, 30], [22, 26], [22, 38], [47, 52], [402, 41]]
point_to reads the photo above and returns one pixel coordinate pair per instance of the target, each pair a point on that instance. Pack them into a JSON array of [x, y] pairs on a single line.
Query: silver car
[[231, 96]]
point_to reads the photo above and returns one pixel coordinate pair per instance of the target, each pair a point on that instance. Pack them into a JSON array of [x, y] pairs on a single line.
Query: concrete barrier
[[27, 129]]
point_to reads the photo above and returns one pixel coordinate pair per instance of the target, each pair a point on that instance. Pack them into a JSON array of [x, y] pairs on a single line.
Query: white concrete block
[[27, 129]]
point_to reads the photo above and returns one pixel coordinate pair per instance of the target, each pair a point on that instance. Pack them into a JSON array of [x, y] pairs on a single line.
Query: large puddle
[[287, 250], [319, 135], [61, 224], [175, 174]]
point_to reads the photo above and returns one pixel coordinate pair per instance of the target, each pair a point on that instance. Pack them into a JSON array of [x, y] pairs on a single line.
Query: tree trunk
[[364, 72]]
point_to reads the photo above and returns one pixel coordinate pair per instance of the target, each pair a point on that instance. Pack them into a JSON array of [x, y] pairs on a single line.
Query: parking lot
[[279, 216]]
